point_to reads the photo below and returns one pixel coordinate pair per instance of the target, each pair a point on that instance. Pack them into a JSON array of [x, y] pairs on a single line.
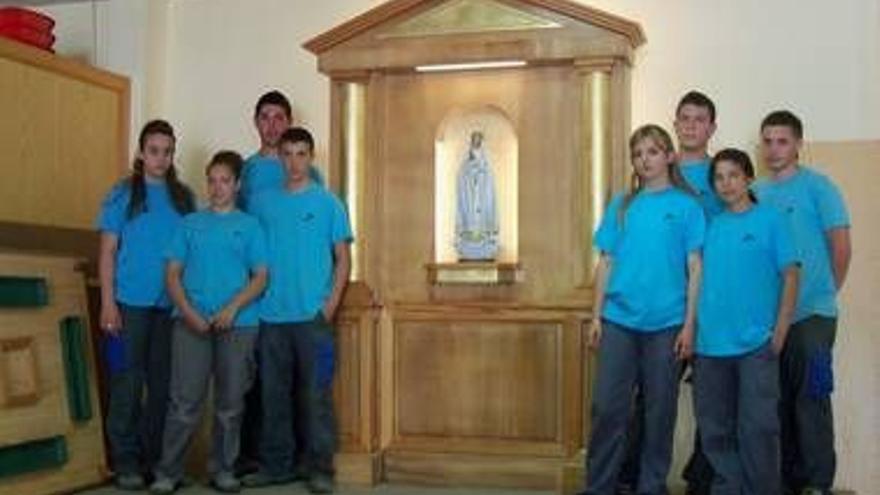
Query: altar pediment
[[402, 34], [470, 16]]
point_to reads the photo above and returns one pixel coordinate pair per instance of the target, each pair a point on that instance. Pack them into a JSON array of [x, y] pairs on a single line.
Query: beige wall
[[211, 58], [202, 63], [112, 35], [853, 166], [820, 59]]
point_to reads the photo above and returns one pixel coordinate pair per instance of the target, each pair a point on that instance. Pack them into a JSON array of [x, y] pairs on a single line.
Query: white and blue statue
[[476, 219]]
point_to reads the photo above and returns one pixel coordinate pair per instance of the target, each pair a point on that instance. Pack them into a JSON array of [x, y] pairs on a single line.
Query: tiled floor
[[298, 488]]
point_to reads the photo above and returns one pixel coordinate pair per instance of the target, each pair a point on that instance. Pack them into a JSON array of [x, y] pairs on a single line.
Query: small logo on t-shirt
[[789, 209], [668, 217], [308, 217], [237, 240], [748, 238]]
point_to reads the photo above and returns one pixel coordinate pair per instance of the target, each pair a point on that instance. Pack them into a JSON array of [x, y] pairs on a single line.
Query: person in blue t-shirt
[[264, 171], [694, 125], [216, 269], [750, 279], [646, 285], [308, 237], [819, 221], [138, 217]]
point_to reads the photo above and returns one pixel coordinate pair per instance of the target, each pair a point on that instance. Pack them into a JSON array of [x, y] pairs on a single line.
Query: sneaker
[[301, 473], [321, 483], [624, 489], [226, 483], [129, 481], [262, 478], [163, 486]]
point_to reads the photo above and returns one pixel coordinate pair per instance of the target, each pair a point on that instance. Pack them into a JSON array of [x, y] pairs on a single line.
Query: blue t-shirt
[[744, 259], [218, 253], [140, 276], [696, 173], [812, 205], [647, 286], [302, 227], [261, 173]]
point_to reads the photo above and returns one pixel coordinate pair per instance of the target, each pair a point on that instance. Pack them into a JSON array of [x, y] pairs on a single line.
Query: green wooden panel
[[76, 370], [23, 292], [33, 456]]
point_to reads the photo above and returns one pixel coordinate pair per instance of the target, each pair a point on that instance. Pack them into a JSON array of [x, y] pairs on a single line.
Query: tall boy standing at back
[[308, 237], [820, 224], [263, 170], [694, 127]]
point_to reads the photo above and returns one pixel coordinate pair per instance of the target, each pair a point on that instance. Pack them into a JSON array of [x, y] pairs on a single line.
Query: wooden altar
[[455, 372]]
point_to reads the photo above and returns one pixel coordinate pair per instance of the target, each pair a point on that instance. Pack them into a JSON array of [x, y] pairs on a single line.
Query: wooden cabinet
[[63, 137]]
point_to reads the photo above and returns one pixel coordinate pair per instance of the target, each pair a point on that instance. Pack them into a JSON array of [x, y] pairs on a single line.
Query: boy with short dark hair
[[817, 215], [308, 240], [694, 126]]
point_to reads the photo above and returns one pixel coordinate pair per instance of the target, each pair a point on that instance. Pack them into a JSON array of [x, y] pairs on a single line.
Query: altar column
[[595, 81]]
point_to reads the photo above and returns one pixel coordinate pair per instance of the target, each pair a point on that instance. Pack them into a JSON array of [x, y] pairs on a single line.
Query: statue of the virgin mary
[[476, 220]]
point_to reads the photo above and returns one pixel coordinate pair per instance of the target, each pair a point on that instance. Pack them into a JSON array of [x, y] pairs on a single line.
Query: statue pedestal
[[474, 273]]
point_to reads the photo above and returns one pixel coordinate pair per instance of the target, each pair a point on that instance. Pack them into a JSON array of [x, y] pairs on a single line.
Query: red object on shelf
[[19, 17], [27, 26], [29, 36]]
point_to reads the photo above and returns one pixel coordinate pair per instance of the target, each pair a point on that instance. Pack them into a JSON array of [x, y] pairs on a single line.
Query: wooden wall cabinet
[[63, 139]]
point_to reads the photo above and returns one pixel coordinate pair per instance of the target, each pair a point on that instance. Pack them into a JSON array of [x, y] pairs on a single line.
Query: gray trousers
[[626, 358], [229, 358], [806, 381], [735, 401]]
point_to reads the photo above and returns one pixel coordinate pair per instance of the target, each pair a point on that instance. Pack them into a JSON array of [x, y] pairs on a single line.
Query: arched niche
[[502, 150]]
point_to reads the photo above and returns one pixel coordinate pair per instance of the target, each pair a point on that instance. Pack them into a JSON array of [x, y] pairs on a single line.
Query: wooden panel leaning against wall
[[51, 438]]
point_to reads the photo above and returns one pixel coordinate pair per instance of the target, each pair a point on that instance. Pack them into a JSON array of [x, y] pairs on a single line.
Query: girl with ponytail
[[645, 292], [745, 308], [137, 219]]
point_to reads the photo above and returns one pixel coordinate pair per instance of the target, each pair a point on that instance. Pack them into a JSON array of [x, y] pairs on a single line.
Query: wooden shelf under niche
[[474, 273]]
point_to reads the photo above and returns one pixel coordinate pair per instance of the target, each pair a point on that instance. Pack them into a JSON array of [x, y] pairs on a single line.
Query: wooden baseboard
[[364, 469], [572, 475], [499, 471]]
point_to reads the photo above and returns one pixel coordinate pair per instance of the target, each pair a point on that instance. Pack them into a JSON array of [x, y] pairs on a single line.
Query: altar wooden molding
[[400, 8], [448, 375], [474, 273]]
